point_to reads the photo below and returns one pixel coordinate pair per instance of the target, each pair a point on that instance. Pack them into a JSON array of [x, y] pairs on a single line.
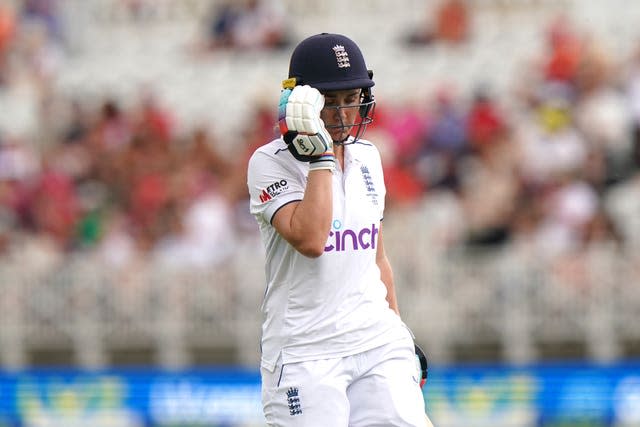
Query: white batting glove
[[303, 129]]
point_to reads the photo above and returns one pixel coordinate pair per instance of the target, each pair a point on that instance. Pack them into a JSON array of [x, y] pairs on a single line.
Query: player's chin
[[339, 134]]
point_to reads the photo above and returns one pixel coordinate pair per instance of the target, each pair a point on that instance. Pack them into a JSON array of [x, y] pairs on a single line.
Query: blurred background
[[131, 272]]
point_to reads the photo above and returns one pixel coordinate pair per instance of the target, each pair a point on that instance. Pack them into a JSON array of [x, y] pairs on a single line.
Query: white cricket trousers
[[376, 388]]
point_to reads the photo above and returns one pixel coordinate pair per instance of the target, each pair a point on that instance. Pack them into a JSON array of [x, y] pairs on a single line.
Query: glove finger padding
[[301, 126], [303, 110]]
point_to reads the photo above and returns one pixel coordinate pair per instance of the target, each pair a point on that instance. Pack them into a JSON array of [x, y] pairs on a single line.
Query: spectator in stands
[[37, 56], [47, 13], [602, 113], [201, 233], [7, 34], [19, 161], [20, 166], [113, 131], [149, 185], [400, 130], [406, 123], [450, 23], [250, 25], [570, 207], [444, 144], [201, 151], [489, 193], [485, 124], [404, 188], [76, 128], [153, 119], [564, 49], [53, 206], [548, 142], [221, 22], [601, 229]]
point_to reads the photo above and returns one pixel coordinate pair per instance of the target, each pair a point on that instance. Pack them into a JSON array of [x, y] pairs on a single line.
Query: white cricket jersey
[[334, 305]]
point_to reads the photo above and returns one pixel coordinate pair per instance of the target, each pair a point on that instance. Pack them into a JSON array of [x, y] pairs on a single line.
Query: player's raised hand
[[302, 128]]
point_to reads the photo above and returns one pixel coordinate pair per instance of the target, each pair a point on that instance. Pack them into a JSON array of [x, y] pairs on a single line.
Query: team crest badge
[[293, 400], [341, 56], [368, 183]]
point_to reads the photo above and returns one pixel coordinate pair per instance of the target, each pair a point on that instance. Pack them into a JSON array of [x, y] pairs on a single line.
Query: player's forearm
[[311, 220], [386, 275]]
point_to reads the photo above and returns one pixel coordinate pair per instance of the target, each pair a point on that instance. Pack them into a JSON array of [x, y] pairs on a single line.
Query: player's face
[[340, 112]]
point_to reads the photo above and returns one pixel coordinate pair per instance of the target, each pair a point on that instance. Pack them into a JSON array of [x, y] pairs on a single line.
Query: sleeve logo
[[273, 190]]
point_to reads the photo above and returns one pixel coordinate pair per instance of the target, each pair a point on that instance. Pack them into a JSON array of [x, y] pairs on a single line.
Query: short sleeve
[[272, 184]]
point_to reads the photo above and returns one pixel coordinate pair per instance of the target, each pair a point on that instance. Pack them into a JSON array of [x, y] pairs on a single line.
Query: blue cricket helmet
[[329, 62]]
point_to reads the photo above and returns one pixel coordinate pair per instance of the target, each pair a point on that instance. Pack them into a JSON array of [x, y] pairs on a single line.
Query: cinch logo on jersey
[[344, 240], [273, 190]]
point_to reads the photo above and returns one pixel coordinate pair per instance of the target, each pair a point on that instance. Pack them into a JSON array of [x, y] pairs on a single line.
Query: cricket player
[[335, 351]]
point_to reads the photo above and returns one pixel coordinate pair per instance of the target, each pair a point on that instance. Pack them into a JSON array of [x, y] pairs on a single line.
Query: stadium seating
[[500, 305]]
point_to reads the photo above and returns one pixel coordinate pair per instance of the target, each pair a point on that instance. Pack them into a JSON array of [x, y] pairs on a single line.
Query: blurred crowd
[[558, 167], [253, 24], [556, 171]]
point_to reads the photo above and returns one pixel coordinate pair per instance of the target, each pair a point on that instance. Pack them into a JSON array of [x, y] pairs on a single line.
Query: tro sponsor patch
[[273, 190]]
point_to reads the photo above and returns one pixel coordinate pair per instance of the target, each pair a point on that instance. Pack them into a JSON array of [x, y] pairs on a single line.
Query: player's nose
[[340, 114]]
